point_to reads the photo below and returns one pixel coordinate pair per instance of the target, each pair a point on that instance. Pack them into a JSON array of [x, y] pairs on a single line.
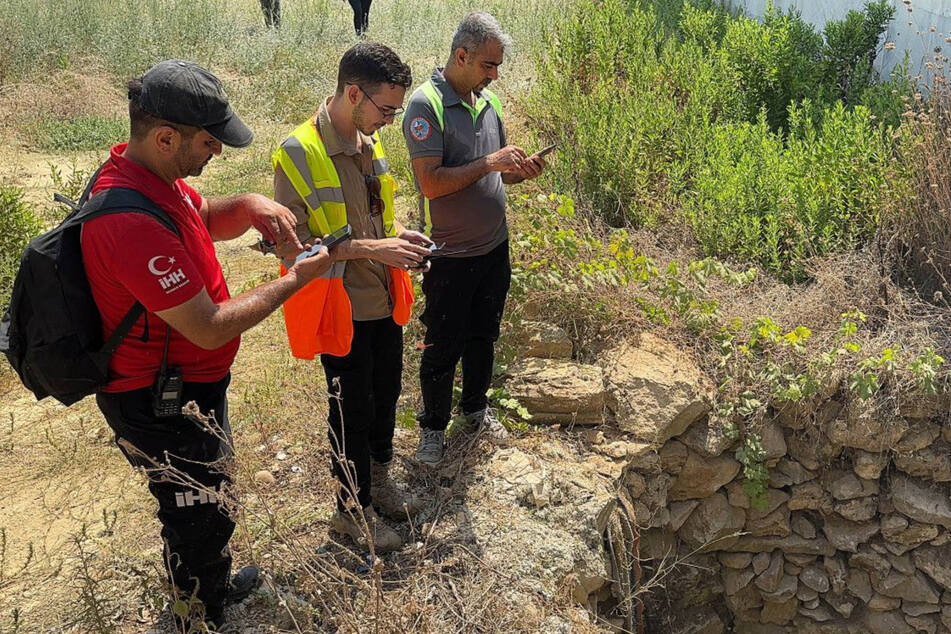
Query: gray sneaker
[[430, 449], [485, 422]]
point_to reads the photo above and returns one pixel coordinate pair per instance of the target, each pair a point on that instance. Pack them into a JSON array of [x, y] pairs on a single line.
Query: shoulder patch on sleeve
[[420, 129]]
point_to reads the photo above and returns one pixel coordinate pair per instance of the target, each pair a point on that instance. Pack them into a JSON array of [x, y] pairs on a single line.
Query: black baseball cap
[[184, 92]]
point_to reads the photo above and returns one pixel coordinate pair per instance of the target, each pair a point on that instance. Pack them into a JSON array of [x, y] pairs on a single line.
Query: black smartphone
[[333, 239], [434, 251], [330, 241], [546, 150]]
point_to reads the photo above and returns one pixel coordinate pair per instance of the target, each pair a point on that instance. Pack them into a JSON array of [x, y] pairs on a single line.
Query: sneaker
[[389, 499], [485, 422], [385, 539], [431, 445], [243, 584]]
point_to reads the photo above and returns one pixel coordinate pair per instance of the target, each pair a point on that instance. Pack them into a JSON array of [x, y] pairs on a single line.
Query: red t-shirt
[[132, 256]]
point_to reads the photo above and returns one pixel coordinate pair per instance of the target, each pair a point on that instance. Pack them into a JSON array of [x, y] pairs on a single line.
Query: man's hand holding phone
[[313, 265], [399, 253], [327, 244], [535, 164]]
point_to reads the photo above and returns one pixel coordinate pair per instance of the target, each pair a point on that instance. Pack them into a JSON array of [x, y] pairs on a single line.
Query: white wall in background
[[910, 31]]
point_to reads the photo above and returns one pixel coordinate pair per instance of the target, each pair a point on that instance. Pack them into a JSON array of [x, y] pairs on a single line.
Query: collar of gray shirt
[[449, 95]]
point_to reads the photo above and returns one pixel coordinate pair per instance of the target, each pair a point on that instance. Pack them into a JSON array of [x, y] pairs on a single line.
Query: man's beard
[[360, 123], [198, 170], [188, 165]]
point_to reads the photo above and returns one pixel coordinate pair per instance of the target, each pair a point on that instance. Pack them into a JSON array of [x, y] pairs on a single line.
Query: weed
[[406, 419], [7, 445], [759, 133], [71, 185], [925, 370], [752, 456], [84, 132], [915, 235], [15, 622], [95, 607], [5, 574], [18, 224]]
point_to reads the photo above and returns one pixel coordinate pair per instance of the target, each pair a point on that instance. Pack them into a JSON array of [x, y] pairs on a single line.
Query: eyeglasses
[[386, 111], [374, 187]]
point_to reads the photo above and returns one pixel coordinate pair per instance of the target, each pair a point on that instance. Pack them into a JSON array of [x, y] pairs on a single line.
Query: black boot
[[243, 584]]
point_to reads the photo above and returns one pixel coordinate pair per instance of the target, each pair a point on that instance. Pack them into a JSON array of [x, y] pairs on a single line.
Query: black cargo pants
[[196, 528], [465, 299]]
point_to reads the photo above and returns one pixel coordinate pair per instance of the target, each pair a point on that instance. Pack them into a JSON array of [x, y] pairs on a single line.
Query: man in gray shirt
[[461, 162]]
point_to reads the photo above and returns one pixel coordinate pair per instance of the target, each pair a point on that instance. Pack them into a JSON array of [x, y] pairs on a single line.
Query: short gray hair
[[476, 29]]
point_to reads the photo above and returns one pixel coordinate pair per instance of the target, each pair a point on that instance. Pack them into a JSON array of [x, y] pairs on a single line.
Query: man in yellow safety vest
[[332, 171]]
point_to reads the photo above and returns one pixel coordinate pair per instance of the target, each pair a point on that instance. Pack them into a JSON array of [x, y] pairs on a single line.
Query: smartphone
[[329, 241], [546, 150], [333, 239], [442, 253], [434, 250]]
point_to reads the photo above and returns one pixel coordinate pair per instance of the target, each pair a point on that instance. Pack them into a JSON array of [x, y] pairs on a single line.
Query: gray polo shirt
[[471, 220]]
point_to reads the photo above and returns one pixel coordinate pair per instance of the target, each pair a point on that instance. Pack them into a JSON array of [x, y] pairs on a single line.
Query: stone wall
[[853, 534]]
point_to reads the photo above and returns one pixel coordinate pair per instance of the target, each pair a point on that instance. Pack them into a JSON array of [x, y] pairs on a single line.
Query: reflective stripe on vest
[[432, 94], [318, 317]]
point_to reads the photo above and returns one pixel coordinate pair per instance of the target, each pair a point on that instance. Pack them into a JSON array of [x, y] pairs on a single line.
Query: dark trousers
[[465, 298], [364, 386], [196, 527], [272, 13], [361, 15]]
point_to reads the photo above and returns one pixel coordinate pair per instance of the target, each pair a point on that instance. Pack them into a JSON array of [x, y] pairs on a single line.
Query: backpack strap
[[76, 206], [122, 329], [113, 201], [123, 200]]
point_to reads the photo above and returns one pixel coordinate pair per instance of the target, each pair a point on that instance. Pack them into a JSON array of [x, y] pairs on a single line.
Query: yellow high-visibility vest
[[318, 317]]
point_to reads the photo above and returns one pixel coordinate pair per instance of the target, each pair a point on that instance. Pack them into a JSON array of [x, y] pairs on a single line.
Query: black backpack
[[51, 332]]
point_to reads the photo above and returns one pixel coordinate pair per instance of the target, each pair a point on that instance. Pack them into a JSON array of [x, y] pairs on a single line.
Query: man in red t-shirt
[[179, 119]]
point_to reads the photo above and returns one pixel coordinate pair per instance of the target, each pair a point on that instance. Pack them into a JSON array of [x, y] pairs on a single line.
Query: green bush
[[776, 61], [18, 224], [850, 48], [769, 137], [778, 201]]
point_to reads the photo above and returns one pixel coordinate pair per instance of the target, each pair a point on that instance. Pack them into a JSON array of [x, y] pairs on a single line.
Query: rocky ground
[[853, 533]]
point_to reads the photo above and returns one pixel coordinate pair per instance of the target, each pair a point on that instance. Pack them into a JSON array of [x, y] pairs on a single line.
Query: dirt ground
[[77, 526], [79, 544]]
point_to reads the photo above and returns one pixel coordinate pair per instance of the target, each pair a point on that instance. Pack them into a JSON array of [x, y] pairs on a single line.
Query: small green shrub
[[778, 202], [769, 137], [851, 46], [18, 224], [85, 132]]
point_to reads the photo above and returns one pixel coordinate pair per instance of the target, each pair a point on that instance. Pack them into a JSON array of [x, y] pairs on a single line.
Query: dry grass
[[916, 237], [598, 313], [64, 94]]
